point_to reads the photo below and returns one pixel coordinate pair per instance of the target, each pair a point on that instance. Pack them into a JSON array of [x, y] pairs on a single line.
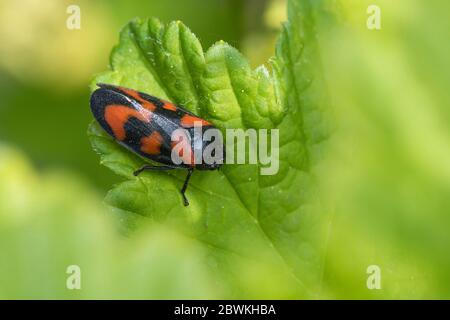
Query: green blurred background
[[387, 177]]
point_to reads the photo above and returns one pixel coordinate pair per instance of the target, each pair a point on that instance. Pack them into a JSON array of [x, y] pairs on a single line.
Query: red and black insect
[[145, 125]]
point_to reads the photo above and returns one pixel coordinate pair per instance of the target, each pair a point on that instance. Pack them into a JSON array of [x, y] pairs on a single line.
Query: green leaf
[[264, 229]]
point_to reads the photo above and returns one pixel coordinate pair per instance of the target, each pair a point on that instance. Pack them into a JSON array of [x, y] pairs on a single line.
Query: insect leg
[[150, 167], [186, 182]]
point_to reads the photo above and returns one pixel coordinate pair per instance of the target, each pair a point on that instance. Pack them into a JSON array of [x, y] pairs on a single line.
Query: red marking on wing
[[188, 121], [135, 95], [116, 115], [169, 106], [152, 144]]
